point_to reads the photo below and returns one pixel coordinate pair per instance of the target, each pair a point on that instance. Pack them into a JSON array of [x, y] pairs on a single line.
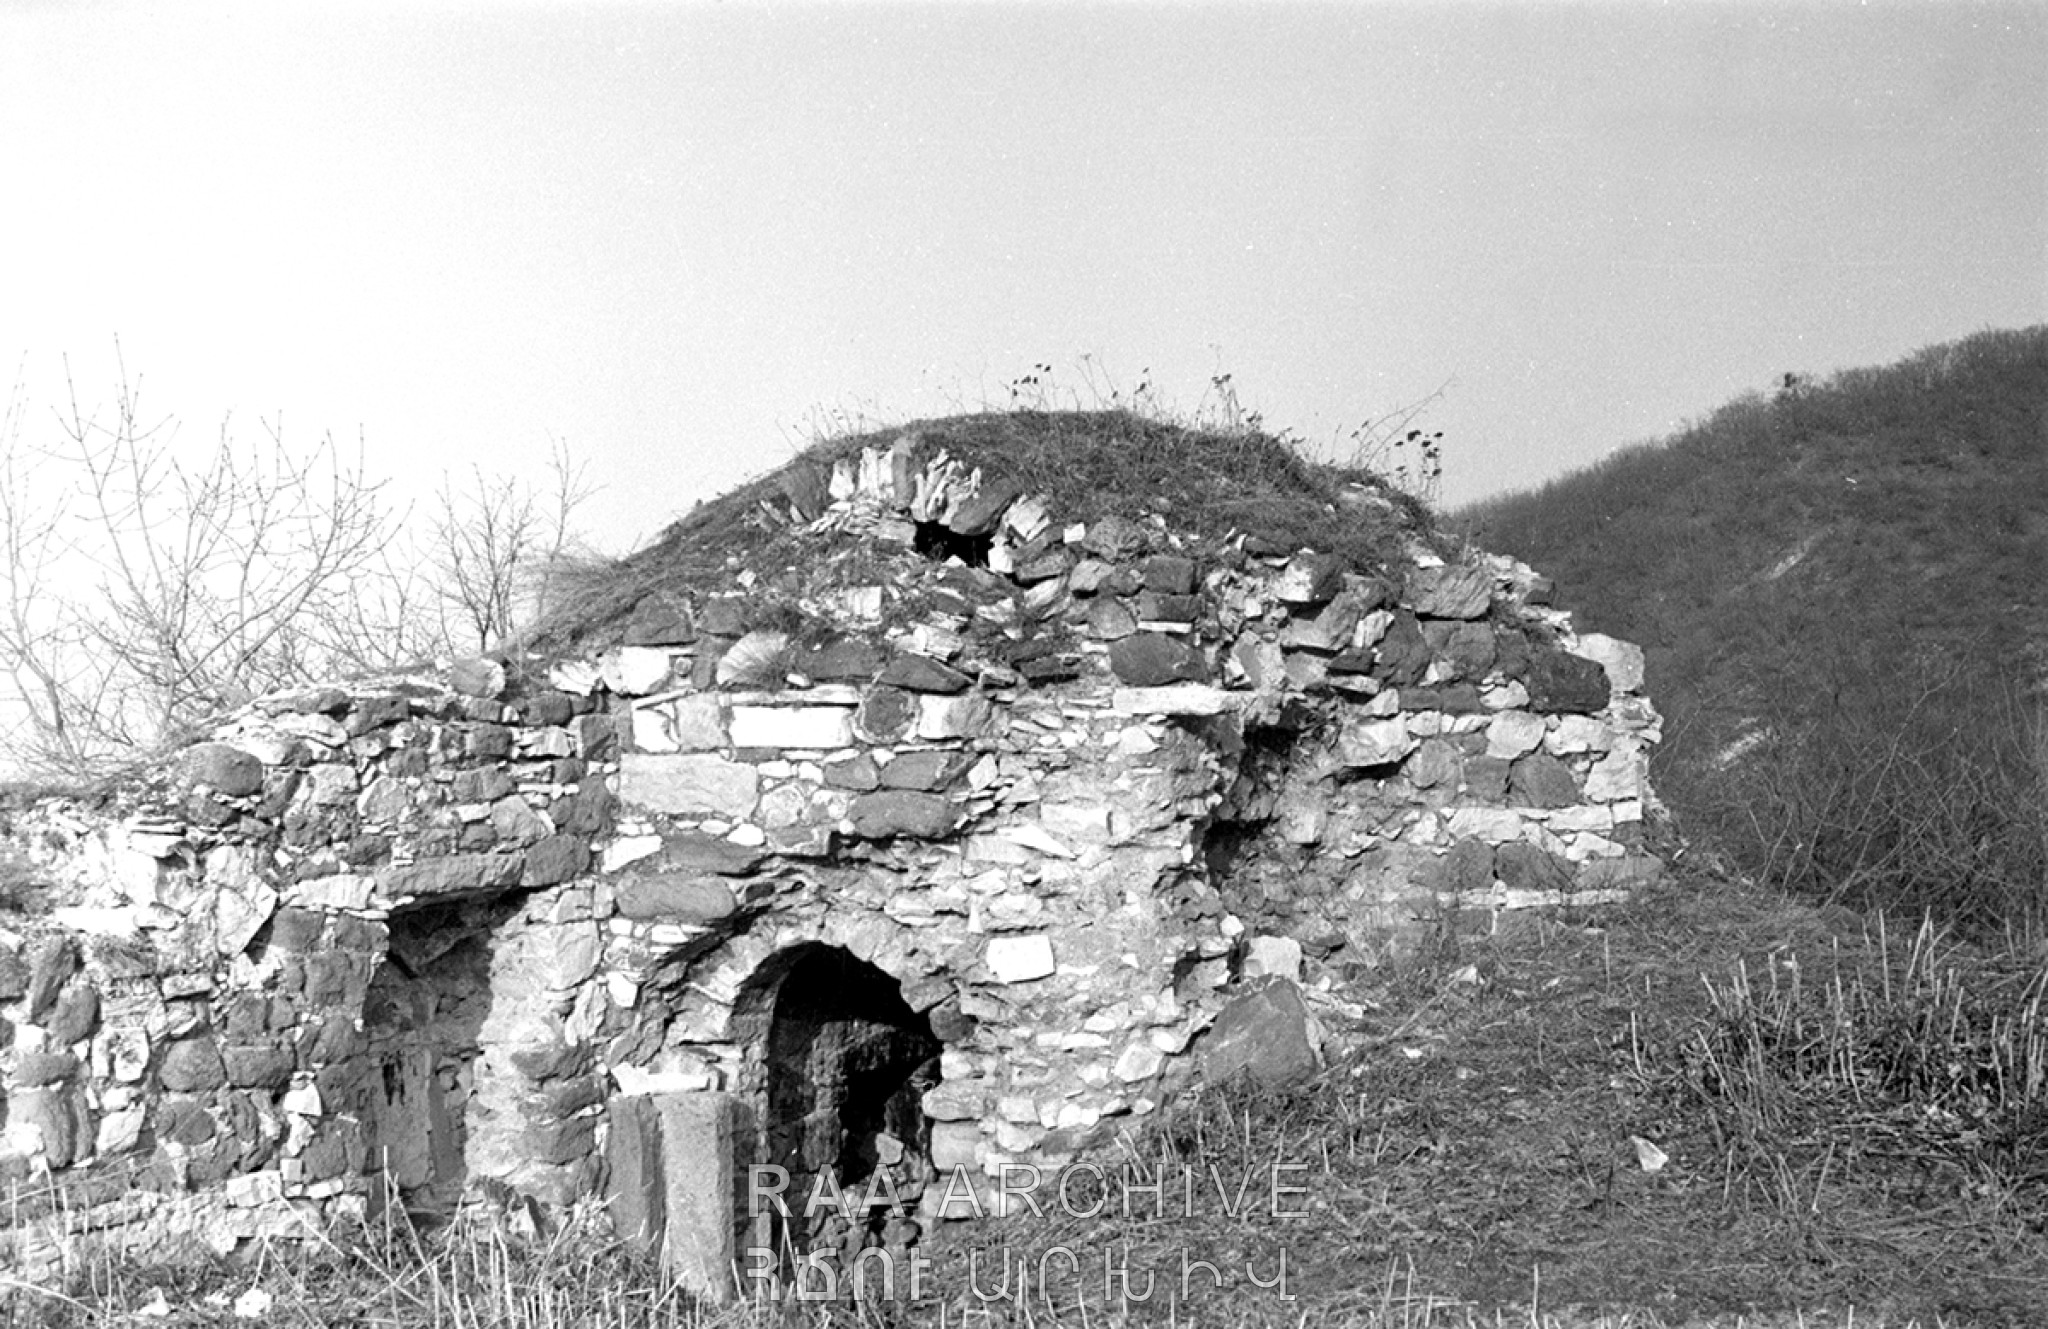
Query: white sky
[[673, 235]]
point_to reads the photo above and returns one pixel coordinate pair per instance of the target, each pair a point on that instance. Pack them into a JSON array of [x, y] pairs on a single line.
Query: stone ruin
[[959, 839]]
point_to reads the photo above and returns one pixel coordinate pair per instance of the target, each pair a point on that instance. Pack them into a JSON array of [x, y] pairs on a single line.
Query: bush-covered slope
[[1843, 590]]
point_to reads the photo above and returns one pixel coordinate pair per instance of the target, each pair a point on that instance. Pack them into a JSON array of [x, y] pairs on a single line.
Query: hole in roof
[[939, 542]]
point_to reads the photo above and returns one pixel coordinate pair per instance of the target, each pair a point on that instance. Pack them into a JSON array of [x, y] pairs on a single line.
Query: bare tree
[[38, 640], [499, 548], [148, 585]]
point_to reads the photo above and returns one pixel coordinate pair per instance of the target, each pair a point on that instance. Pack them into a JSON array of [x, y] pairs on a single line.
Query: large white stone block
[[1020, 959], [821, 728], [689, 784]]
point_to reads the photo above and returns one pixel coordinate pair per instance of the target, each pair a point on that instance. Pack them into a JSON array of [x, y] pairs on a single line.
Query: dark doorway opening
[[422, 1017], [839, 1065]]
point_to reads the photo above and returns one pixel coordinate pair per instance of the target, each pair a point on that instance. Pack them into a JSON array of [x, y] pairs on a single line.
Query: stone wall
[[985, 818]]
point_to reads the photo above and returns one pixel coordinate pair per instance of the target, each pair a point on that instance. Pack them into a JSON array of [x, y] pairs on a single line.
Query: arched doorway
[[836, 1065]]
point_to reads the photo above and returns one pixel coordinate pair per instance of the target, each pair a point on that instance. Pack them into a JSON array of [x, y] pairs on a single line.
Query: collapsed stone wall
[[939, 851]]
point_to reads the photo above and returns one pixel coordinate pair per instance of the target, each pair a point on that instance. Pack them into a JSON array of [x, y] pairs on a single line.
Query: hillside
[[1841, 591]]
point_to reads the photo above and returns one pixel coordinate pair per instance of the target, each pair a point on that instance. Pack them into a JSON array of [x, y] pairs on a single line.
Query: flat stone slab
[[690, 784], [818, 727]]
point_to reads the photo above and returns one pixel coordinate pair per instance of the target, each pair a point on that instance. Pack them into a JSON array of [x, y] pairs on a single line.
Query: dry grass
[[1485, 1153]]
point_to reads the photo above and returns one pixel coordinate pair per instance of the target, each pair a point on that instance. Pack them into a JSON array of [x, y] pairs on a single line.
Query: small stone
[[1045, 568], [225, 770], [487, 785], [893, 812], [724, 616], [596, 737], [1149, 659], [50, 1116], [634, 671], [1088, 576], [1450, 591], [1265, 1034], [1579, 733], [1561, 683], [516, 823], [1374, 742], [1108, 618], [1176, 699], [1513, 734], [1629, 873], [1272, 957], [33, 1069], [13, 973], [259, 1068], [1436, 764], [1466, 648], [192, 1066], [1620, 775], [477, 676], [805, 485], [918, 673], [373, 713], [675, 898], [1331, 628], [320, 701], [1169, 574], [1020, 959], [968, 715], [1467, 867], [954, 1101], [1622, 660], [1541, 781], [1493, 825], [56, 961], [931, 771], [658, 621], [843, 661], [1309, 579], [1114, 538], [554, 860], [978, 513], [885, 715], [698, 852], [384, 801], [1139, 1061], [1524, 867], [1403, 655], [75, 1016], [1487, 779], [478, 740]]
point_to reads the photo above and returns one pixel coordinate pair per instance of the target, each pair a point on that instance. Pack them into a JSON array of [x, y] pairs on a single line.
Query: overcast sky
[[677, 236]]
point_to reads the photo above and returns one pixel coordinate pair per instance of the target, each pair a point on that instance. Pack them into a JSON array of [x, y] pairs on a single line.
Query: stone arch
[[834, 1064]]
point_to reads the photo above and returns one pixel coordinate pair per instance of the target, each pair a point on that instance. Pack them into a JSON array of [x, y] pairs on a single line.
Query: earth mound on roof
[[1024, 497]]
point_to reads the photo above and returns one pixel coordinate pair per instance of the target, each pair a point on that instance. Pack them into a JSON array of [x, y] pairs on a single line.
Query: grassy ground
[[1847, 1121], [1846, 1112]]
